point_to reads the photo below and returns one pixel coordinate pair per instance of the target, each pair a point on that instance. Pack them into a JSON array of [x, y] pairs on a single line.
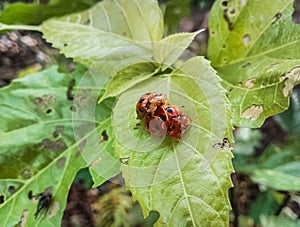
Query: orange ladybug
[[167, 120], [148, 103]]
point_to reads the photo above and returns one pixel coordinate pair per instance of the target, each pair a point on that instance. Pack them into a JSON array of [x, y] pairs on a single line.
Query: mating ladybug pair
[[161, 118]]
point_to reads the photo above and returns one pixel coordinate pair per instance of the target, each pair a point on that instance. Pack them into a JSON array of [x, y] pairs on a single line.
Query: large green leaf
[[186, 181], [121, 29], [38, 147], [254, 46], [165, 53], [277, 167], [24, 13]]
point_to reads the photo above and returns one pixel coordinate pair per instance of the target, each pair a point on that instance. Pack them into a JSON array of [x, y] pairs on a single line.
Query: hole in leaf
[[243, 2], [23, 218], [253, 112], [276, 17], [95, 162], [212, 33], [246, 65], [225, 3], [87, 22], [250, 83], [224, 46], [70, 90], [246, 39], [26, 173], [124, 160], [73, 108], [104, 136], [61, 162], [49, 111], [30, 195], [240, 83], [65, 45], [58, 130], [225, 59], [232, 11], [1, 199], [11, 189]]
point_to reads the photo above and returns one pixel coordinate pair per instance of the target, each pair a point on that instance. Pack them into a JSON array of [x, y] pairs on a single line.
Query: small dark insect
[[45, 199], [225, 143]]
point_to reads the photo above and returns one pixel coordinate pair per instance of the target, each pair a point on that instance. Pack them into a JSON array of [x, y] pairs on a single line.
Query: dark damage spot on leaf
[[276, 17], [104, 136], [49, 111], [227, 19], [61, 162], [70, 95], [87, 22], [80, 148], [45, 100], [11, 189], [26, 174], [224, 3], [246, 39], [124, 160], [232, 11], [23, 218], [30, 195], [58, 130], [57, 146], [73, 108], [246, 65], [65, 45], [2, 199]]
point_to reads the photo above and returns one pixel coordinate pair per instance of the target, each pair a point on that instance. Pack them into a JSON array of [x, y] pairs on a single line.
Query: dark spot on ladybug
[[1, 199], [141, 100], [173, 127], [169, 110], [163, 117]]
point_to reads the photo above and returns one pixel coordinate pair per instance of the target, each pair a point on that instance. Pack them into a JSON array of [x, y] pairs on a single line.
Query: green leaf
[[168, 50], [166, 53], [255, 48], [274, 221], [277, 168], [111, 31], [167, 175], [128, 77], [24, 13], [264, 204], [38, 147]]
